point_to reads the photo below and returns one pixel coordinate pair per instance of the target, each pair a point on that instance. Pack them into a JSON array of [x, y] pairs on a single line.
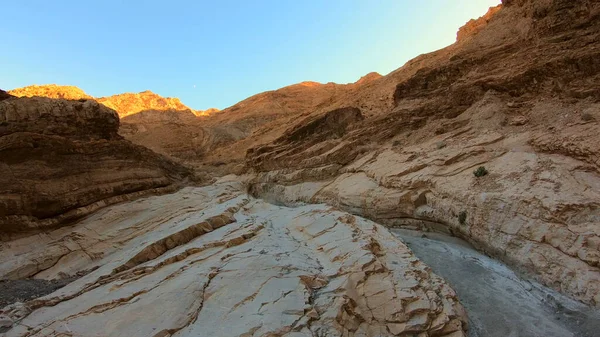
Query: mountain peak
[[51, 91], [129, 103], [369, 77], [473, 26]]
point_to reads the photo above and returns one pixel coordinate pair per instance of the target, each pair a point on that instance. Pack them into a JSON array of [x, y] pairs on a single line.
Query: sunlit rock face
[[131, 103], [517, 94], [213, 261], [51, 91]]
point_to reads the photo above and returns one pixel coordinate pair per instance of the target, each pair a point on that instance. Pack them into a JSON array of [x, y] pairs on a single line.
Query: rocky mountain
[[163, 124], [456, 196], [50, 91], [63, 159], [124, 104], [264, 117], [518, 95], [207, 112], [129, 103], [211, 136]]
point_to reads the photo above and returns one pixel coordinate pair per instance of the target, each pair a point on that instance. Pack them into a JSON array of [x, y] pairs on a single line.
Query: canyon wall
[[517, 94], [62, 159]]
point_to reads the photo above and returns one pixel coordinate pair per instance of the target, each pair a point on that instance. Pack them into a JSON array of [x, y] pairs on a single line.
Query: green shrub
[[462, 217], [480, 172]]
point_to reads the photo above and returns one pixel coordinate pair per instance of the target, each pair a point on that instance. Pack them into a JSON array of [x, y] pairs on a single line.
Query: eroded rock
[[62, 159], [178, 264], [491, 104]]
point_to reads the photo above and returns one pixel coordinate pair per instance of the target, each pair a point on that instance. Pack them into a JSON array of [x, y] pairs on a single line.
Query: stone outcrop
[[4, 95], [515, 98], [162, 124], [175, 265], [51, 91], [265, 117], [131, 103], [62, 159], [518, 94], [473, 27], [315, 135], [207, 112]]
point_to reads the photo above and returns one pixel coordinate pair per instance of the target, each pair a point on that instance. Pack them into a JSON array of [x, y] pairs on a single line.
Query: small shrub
[[462, 217], [480, 172], [440, 145]]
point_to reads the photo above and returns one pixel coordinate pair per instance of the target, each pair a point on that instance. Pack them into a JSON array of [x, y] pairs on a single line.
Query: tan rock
[[275, 281], [544, 176], [63, 159]]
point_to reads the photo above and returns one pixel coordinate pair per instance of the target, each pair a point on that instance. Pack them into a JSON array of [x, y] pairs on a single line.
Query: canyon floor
[[215, 254], [170, 265]]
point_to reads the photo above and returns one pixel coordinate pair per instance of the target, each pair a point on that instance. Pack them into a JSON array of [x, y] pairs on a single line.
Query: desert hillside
[[210, 136], [63, 159], [458, 195], [50, 91], [518, 97]]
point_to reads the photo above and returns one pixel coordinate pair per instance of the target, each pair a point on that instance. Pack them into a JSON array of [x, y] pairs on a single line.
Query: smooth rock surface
[[212, 261]]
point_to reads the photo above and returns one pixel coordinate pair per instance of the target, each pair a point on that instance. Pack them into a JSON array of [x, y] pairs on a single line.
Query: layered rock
[[131, 103], [214, 262], [163, 124], [4, 95], [517, 94], [265, 117], [62, 159], [316, 135]]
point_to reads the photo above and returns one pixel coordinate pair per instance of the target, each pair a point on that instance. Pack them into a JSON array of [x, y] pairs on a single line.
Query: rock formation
[[207, 112], [493, 139], [212, 136], [62, 159], [518, 94], [163, 124], [263, 118], [131, 103], [51, 91], [175, 265]]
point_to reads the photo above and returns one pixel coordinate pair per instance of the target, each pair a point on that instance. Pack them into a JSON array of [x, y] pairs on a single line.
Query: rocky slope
[[493, 139], [131, 103], [264, 117], [518, 94], [163, 124], [51, 91], [179, 260], [213, 136], [63, 159]]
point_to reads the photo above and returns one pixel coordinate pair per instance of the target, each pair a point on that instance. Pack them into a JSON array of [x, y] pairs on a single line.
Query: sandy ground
[[498, 302]]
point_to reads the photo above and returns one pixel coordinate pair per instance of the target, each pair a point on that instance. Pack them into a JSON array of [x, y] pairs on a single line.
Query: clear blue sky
[[227, 49]]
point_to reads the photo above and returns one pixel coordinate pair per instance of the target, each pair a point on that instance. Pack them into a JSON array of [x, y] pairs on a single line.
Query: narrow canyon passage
[[498, 302], [215, 254]]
